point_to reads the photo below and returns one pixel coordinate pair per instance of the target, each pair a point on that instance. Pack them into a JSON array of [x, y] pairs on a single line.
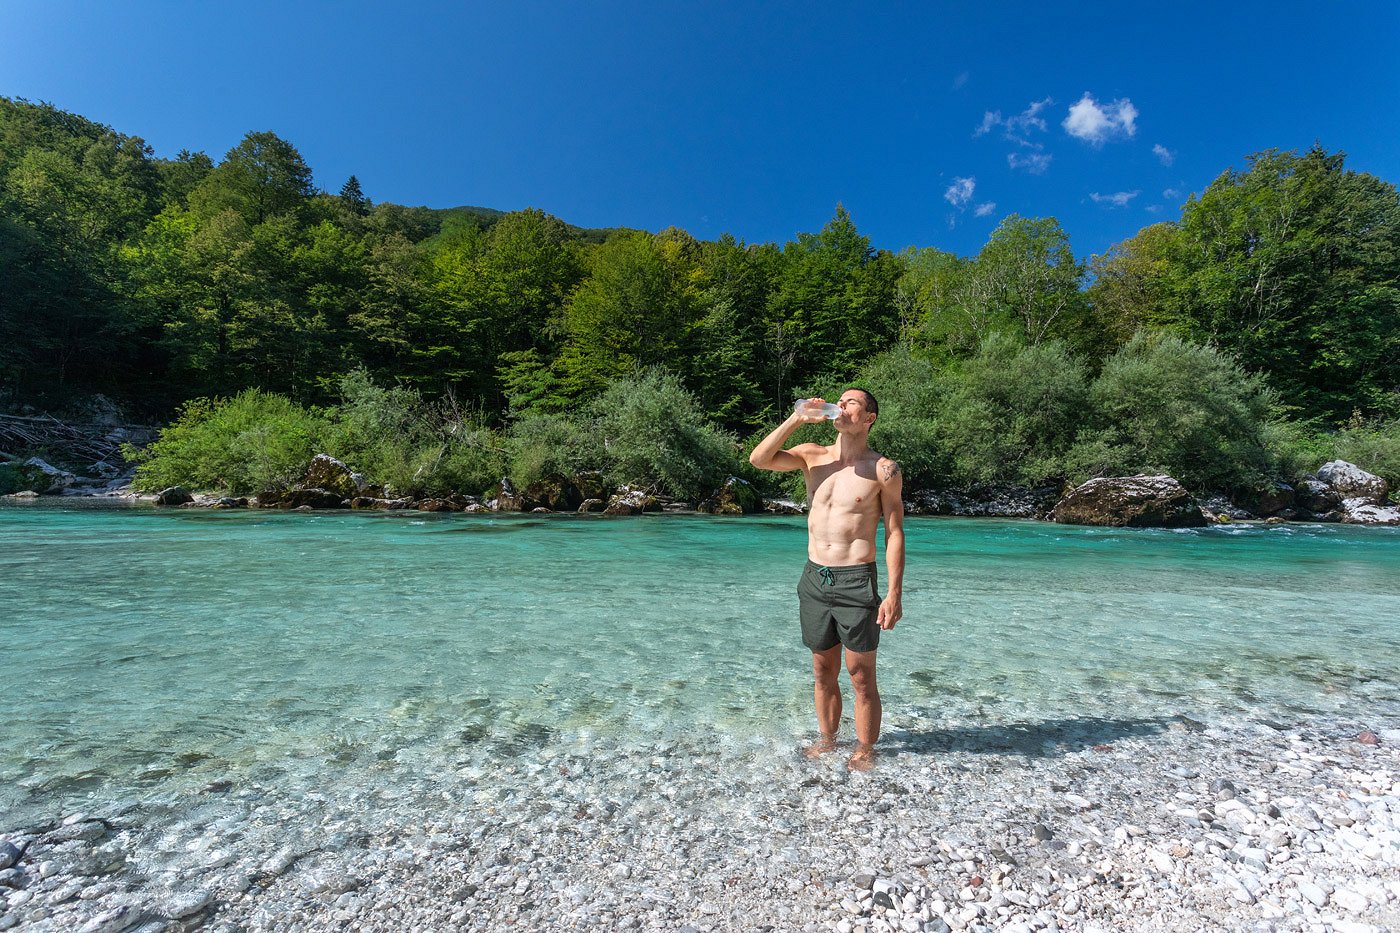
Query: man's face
[[853, 411]]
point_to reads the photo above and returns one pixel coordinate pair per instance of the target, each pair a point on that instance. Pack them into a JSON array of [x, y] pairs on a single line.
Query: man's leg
[[826, 669], [861, 666]]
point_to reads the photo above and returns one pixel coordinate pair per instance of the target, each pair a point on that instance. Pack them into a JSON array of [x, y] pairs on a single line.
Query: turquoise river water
[[147, 646]]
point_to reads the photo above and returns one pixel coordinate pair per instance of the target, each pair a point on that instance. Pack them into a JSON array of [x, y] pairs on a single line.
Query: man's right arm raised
[[769, 454]]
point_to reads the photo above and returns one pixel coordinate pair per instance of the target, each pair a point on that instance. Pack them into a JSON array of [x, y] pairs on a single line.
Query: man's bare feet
[[862, 759], [824, 744]]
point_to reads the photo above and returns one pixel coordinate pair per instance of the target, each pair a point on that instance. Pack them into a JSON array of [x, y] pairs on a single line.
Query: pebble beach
[[1080, 824]]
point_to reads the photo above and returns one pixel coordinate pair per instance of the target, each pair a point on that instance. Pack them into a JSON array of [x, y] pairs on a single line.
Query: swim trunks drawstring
[[827, 578]]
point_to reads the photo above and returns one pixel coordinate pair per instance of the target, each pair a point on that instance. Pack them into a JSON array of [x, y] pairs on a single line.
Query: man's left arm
[[892, 507]]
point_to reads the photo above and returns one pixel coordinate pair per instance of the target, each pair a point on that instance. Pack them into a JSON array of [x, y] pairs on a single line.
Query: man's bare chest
[[851, 487]]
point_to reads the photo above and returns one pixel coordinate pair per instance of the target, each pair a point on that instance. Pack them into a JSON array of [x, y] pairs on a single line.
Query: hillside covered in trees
[[445, 348]]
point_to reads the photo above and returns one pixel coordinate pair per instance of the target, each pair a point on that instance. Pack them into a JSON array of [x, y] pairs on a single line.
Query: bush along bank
[[968, 446]]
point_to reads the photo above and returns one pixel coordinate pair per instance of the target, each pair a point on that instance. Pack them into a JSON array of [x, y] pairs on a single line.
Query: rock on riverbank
[[1086, 825]]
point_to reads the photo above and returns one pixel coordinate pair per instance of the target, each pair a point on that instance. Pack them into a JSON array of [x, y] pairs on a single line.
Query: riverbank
[[1093, 824]]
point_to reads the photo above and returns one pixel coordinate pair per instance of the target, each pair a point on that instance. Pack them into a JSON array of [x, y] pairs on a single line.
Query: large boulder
[[1130, 501], [1352, 482], [555, 493], [1361, 510], [784, 506], [311, 499], [736, 497], [629, 501], [49, 477], [1315, 496], [328, 473], [1272, 499], [174, 495]]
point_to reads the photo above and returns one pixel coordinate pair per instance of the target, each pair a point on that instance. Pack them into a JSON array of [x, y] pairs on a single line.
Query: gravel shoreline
[[1081, 824]]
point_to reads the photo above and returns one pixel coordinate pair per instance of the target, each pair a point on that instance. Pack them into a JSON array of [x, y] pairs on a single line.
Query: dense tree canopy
[[159, 280]]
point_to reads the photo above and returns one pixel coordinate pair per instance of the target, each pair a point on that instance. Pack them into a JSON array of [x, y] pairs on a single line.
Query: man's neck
[[850, 447]]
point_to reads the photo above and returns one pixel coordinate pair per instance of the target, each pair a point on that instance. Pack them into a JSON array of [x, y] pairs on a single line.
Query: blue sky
[[930, 121]]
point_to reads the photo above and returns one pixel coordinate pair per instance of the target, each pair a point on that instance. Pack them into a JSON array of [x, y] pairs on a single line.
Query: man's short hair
[[871, 405]]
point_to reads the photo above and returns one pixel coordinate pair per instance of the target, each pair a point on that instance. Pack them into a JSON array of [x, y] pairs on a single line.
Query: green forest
[[437, 350]]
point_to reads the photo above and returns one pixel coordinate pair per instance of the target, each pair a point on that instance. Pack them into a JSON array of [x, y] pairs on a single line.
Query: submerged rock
[[1130, 501]]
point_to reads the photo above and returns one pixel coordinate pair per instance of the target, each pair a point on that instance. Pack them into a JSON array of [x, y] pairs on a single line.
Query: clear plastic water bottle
[[826, 409]]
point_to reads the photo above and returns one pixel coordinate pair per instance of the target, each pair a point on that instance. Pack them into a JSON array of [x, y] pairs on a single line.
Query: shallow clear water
[[149, 649]]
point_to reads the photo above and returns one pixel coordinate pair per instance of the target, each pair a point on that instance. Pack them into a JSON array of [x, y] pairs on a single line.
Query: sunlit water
[[148, 649]]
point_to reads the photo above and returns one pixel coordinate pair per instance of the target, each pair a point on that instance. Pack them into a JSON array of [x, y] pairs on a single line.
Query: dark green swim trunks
[[839, 604]]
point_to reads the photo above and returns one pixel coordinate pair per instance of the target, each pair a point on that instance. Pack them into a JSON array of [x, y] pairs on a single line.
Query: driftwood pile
[[71, 442]]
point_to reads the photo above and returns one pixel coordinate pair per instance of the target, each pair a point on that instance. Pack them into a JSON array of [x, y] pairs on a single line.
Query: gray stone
[[9, 853], [1130, 501], [1312, 893], [1349, 481], [186, 904], [174, 495], [112, 921]]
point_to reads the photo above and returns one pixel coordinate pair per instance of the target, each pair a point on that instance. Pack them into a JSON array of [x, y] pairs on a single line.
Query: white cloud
[[1036, 162], [1017, 127], [1163, 154], [983, 210], [960, 80], [1117, 199], [1096, 125], [959, 193], [1171, 194]]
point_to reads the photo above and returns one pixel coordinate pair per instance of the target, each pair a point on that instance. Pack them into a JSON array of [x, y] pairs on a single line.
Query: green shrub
[[655, 433], [1297, 448], [1374, 447], [245, 444], [1009, 413], [906, 386], [1161, 404], [540, 445], [468, 457]]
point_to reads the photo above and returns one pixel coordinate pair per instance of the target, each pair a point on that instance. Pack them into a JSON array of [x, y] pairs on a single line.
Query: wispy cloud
[[960, 80], [1096, 124], [983, 210], [1034, 162], [1171, 194], [1163, 154], [959, 193], [1117, 199], [1017, 127]]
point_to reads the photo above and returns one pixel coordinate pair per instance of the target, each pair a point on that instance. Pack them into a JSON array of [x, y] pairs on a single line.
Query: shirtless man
[[850, 488]]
